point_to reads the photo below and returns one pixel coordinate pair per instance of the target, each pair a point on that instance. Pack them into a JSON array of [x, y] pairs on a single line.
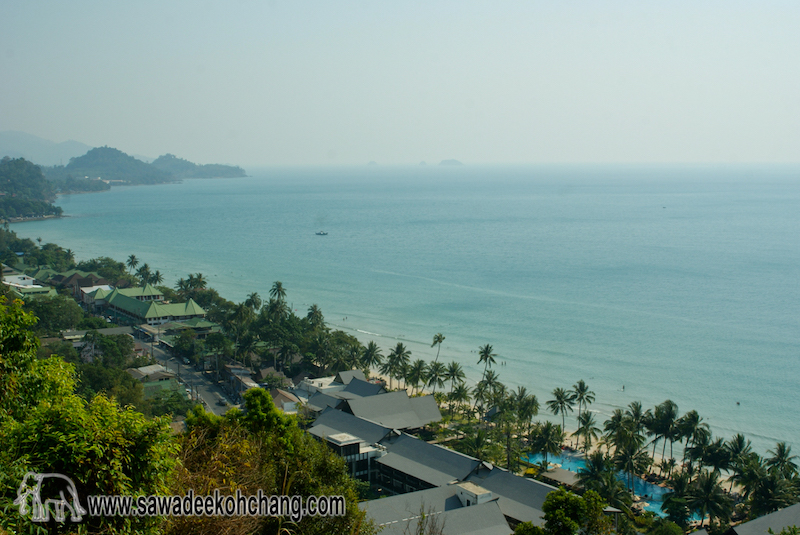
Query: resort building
[[25, 287], [143, 305], [456, 509]]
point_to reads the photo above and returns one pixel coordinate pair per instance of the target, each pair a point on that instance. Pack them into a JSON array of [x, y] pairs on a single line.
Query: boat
[[322, 233]]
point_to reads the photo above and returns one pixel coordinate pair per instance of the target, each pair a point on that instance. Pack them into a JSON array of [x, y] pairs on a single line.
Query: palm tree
[[526, 406], [277, 291], [749, 473], [587, 429], [436, 375], [144, 274], [454, 374], [371, 358], [675, 502], [782, 460], [396, 360], [314, 317], [582, 395], [563, 402], [458, 396], [630, 457], [486, 356], [692, 428], [738, 449], [438, 338], [707, 497], [132, 262], [478, 445], [665, 422], [547, 439], [157, 278], [253, 301], [417, 374], [772, 493]]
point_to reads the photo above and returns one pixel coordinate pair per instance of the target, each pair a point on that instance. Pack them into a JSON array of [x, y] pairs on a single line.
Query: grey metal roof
[[347, 376], [362, 388], [320, 401], [520, 498], [332, 421], [401, 514], [431, 463], [396, 410], [790, 516]]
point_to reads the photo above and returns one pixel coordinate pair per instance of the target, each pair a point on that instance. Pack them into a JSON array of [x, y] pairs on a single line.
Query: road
[[200, 385]]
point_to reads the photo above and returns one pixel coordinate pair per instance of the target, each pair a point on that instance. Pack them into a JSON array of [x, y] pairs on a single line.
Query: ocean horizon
[[648, 282]]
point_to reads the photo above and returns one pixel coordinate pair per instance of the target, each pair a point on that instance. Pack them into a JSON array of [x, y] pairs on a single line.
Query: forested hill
[[94, 170], [181, 168], [108, 163], [24, 192]]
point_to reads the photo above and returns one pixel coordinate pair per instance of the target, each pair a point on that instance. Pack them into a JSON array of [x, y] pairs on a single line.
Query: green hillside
[[181, 168], [24, 192]]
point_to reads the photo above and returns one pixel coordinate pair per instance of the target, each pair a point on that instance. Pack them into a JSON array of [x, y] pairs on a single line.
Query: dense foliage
[[24, 192]]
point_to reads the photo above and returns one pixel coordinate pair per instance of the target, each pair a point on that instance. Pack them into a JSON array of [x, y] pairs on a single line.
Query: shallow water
[[648, 283]]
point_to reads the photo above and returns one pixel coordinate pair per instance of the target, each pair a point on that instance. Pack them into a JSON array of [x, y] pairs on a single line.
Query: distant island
[[101, 167], [450, 162], [180, 168], [27, 190]]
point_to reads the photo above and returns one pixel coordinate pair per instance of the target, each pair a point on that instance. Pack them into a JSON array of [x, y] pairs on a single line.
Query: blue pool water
[[574, 462]]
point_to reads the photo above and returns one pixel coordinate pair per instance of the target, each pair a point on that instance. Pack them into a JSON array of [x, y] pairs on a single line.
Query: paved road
[[199, 384]]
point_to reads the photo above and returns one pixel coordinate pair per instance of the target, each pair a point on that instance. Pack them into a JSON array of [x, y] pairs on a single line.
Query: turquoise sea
[[647, 282]]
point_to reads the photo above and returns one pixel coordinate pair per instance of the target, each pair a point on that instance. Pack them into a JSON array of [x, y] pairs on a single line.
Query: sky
[[348, 82]]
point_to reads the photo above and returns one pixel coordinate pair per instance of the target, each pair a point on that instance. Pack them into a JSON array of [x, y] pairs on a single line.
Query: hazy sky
[[257, 82]]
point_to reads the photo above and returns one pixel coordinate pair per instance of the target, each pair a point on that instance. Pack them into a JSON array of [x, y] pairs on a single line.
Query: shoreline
[[607, 398]]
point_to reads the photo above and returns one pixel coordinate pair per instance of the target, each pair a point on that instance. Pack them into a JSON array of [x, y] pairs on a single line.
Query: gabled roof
[[148, 290], [431, 463], [395, 410], [360, 388], [346, 376], [790, 516], [520, 498], [400, 514], [320, 401], [331, 422]]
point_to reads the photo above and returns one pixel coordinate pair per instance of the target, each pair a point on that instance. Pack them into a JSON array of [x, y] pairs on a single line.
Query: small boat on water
[[322, 233]]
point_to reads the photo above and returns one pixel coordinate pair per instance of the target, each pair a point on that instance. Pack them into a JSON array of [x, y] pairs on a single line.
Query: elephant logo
[[49, 493]]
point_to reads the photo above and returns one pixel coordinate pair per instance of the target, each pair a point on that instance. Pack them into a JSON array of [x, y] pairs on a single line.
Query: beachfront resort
[[421, 442]]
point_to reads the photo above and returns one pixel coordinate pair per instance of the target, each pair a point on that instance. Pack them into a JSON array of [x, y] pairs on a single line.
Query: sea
[[647, 282]]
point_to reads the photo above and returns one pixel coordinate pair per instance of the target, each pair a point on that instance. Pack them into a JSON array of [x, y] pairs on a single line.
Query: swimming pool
[[574, 462]]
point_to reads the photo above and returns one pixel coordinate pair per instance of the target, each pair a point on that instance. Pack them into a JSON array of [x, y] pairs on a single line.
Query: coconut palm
[[706, 497], [458, 396], [454, 374], [563, 401], [438, 338], [546, 439], [630, 455], [253, 301], [157, 278], [478, 445], [372, 357], [773, 492], [675, 502], [665, 422], [738, 449], [314, 317], [144, 274], [436, 375], [782, 460], [526, 406], [132, 262], [692, 428], [749, 472], [486, 356], [277, 292], [582, 395], [587, 429]]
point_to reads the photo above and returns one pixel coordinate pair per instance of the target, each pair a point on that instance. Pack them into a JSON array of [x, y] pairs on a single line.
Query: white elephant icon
[[49, 493]]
